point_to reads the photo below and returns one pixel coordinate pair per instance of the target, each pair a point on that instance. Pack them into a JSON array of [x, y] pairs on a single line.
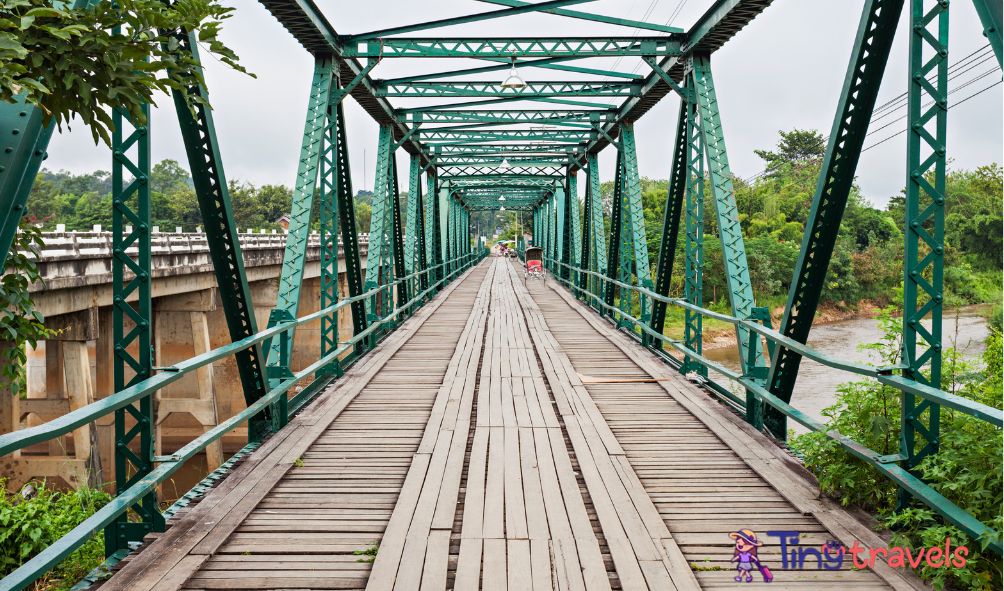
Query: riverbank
[[722, 335]]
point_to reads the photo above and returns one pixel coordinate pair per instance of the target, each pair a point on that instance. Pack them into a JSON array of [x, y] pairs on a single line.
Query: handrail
[[78, 536], [884, 464]]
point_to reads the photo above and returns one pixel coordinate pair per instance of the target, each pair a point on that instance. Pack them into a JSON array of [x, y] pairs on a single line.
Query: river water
[[816, 387]]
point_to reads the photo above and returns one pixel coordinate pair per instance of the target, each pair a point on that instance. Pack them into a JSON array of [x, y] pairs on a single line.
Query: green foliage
[[20, 323], [29, 526], [794, 146], [967, 469], [84, 61]]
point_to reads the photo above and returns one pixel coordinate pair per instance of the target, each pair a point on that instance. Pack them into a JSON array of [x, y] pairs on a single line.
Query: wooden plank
[[468, 564], [540, 565], [519, 569], [515, 511], [536, 515], [436, 558], [494, 577], [474, 497], [493, 526]]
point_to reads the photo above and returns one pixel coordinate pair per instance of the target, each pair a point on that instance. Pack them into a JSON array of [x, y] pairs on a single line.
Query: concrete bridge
[[76, 299]]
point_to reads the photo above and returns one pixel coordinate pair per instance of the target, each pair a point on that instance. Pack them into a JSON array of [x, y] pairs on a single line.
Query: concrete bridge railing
[[75, 367]]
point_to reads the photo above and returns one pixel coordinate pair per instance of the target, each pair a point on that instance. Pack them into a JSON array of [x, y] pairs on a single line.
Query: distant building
[[284, 221]]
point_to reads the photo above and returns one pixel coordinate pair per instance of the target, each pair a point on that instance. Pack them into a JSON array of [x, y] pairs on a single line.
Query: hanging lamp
[[513, 80]]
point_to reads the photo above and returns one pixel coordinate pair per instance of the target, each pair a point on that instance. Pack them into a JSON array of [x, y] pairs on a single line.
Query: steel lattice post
[[433, 230], [199, 135], [403, 291], [614, 251], [729, 231], [562, 230], [642, 269], [20, 160], [295, 256], [597, 237], [924, 227], [414, 246], [572, 227], [693, 280], [584, 259], [865, 69], [671, 221], [131, 229], [379, 259]]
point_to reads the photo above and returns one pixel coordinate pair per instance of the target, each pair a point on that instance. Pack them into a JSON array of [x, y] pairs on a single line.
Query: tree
[[795, 146], [85, 61]]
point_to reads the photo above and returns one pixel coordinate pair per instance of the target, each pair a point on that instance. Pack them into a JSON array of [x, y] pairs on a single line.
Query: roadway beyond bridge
[[506, 437]]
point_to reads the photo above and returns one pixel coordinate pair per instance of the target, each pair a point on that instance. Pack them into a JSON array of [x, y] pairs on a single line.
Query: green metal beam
[[504, 64], [509, 116], [870, 53], [295, 256], [924, 230], [533, 89], [447, 22], [516, 47], [592, 17], [529, 135], [991, 13], [495, 149], [726, 211]]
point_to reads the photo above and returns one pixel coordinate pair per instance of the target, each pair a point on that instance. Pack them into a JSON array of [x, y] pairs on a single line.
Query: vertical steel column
[[865, 69], [338, 212], [444, 226], [131, 228], [597, 235], [729, 231], [24, 143], [573, 227], [379, 259], [583, 258], [614, 252], [561, 230], [412, 237], [627, 244], [693, 281], [671, 221], [403, 291], [295, 256], [199, 134], [924, 225], [992, 18], [432, 229], [636, 214]]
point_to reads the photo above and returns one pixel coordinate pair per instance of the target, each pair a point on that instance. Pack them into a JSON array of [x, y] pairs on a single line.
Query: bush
[[29, 526], [967, 469]]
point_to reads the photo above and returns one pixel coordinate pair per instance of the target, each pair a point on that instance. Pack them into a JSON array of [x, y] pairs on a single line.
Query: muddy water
[[817, 384]]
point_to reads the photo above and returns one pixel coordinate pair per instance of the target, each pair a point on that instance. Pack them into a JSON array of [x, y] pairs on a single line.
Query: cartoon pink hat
[[747, 535]]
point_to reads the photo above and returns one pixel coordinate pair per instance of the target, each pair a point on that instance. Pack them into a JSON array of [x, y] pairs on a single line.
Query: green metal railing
[[886, 464], [10, 442]]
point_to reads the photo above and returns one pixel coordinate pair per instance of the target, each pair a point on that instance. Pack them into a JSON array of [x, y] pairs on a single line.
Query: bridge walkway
[[505, 437]]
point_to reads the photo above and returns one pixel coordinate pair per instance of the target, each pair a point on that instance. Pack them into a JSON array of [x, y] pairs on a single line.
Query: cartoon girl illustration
[[745, 555]]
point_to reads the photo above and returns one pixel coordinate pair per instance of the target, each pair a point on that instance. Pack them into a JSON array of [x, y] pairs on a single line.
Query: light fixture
[[501, 197], [502, 208], [513, 80], [505, 164]]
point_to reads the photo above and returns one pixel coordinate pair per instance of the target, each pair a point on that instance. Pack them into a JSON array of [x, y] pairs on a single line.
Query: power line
[[949, 108]]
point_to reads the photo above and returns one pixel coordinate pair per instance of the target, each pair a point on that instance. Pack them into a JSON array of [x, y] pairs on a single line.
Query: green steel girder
[[560, 135], [872, 45], [199, 135], [924, 229], [505, 64], [495, 89], [131, 227], [380, 257], [23, 151], [616, 235], [518, 173], [295, 256], [579, 47], [575, 227], [693, 278], [503, 100], [596, 247], [501, 116], [433, 244], [337, 213], [719, 24], [475, 169], [726, 212], [592, 17], [991, 13], [549, 4], [494, 149], [675, 197], [397, 237], [500, 181]]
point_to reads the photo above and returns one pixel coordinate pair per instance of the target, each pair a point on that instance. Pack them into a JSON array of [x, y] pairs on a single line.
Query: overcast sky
[[784, 70]]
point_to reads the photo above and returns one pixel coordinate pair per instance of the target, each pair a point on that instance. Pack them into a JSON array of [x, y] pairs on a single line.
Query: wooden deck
[[486, 444]]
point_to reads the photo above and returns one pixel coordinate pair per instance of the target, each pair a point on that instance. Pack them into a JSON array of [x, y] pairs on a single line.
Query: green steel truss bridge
[[483, 429]]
